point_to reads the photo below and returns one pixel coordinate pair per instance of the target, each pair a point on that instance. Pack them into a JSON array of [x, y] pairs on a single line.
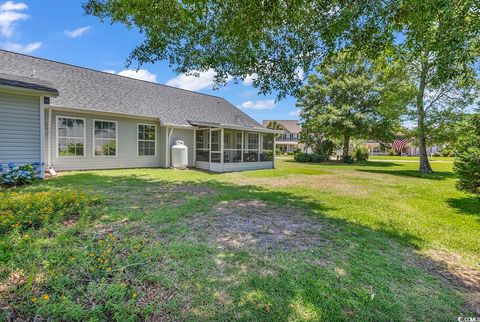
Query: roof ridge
[[282, 120], [107, 73]]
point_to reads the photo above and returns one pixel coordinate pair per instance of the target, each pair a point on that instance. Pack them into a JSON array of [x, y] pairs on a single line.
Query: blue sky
[[59, 30]]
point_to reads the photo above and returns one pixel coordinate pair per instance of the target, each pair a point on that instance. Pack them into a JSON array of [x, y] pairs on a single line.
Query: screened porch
[[229, 149]]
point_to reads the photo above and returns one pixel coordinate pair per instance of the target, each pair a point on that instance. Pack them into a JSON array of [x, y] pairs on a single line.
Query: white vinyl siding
[[126, 144], [19, 128]]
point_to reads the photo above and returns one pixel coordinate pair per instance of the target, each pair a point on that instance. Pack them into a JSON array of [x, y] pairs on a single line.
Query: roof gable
[[292, 126]]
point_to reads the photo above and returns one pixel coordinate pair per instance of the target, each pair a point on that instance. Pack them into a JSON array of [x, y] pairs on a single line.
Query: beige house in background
[[288, 141]]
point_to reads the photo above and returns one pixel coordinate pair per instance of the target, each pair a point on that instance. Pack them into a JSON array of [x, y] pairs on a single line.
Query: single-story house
[[403, 147], [74, 118]]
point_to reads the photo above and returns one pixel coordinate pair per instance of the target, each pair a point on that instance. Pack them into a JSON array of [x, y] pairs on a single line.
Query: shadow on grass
[[437, 175], [356, 163], [331, 282], [141, 189], [467, 205]]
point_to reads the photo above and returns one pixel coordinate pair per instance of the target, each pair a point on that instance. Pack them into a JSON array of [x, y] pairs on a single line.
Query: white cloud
[[74, 33], [195, 82], [249, 79], [141, 74], [259, 105], [9, 15], [12, 6], [110, 71], [300, 73], [26, 49], [294, 113]]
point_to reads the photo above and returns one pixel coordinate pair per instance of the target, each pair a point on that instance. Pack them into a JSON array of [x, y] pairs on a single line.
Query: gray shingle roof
[[292, 126], [89, 89], [28, 83]]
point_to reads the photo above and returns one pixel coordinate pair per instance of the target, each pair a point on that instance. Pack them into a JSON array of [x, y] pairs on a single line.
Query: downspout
[[49, 138], [169, 135], [42, 136]]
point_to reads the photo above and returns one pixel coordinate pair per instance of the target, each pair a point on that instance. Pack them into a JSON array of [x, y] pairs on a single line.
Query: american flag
[[398, 145]]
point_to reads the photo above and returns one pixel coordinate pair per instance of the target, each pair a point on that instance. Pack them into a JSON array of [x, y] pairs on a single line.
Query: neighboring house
[[74, 118], [403, 147], [288, 140], [376, 148]]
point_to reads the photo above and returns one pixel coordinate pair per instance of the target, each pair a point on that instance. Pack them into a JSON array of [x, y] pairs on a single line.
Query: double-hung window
[[70, 137], [147, 138], [105, 138]]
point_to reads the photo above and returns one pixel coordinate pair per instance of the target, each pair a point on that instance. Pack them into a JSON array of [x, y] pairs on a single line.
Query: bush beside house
[[14, 175], [361, 153], [312, 157]]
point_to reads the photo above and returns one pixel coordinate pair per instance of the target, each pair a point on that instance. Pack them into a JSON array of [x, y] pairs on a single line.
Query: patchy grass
[[407, 158], [369, 241]]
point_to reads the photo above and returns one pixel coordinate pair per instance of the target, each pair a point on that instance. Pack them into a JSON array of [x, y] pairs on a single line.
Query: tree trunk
[[346, 146], [422, 135]]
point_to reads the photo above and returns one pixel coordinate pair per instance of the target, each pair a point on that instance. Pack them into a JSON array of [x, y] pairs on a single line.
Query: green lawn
[[369, 241], [397, 158]]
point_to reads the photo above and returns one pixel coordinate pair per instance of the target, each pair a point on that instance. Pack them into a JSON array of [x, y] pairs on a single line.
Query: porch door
[[215, 147]]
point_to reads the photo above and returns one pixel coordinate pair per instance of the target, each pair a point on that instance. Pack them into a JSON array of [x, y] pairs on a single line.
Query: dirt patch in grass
[[447, 266], [246, 223]]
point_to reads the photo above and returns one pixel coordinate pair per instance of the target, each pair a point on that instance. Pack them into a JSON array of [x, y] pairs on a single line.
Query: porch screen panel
[[215, 154], [232, 146], [202, 146], [251, 148], [267, 151]]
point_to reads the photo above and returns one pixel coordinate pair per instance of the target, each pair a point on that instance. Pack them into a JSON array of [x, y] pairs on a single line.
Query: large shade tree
[[354, 98], [279, 41]]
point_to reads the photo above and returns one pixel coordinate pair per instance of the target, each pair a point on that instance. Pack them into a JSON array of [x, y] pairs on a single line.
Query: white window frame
[[156, 143], [84, 136], [116, 139]]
